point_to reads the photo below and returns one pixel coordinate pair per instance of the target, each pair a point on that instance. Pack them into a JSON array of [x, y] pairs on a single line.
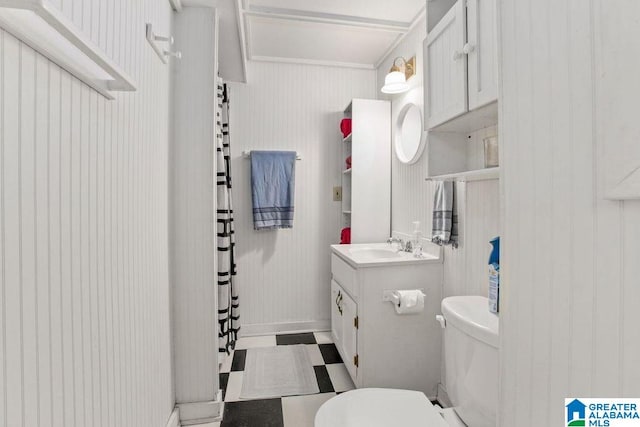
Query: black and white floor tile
[[288, 411]]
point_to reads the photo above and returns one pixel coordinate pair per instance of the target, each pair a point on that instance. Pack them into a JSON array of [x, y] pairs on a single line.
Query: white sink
[[376, 254]]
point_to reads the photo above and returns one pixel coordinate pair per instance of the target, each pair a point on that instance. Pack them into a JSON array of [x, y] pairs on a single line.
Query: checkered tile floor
[[289, 411]]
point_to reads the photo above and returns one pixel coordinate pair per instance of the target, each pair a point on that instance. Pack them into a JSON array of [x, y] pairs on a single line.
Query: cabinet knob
[[468, 48]]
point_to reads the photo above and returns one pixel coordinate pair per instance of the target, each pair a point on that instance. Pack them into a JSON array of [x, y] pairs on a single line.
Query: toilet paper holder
[[393, 297]]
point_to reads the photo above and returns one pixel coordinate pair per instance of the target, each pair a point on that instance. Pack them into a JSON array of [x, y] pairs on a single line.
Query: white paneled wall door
[[84, 288], [569, 321]]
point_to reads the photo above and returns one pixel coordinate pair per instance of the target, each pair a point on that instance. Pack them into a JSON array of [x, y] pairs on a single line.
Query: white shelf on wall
[[366, 190], [474, 175], [471, 121], [44, 28]]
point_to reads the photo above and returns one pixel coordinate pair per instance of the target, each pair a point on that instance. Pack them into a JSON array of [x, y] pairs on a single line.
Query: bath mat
[[284, 370]]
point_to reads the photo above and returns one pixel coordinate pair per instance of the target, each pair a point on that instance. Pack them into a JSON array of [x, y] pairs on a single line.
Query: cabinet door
[[446, 67], [350, 335], [336, 312], [482, 59]]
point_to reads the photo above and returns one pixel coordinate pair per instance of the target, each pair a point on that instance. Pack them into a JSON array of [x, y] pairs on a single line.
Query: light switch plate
[[337, 194]]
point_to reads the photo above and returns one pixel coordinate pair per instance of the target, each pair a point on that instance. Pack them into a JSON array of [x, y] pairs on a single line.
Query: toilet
[[471, 373]]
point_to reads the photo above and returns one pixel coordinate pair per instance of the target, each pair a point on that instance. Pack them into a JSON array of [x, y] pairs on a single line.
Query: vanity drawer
[[345, 275]]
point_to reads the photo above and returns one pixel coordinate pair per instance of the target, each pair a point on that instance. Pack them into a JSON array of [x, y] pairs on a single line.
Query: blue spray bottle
[[494, 275]]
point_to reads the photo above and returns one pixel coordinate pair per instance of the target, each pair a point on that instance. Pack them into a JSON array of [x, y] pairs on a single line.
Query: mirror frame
[[397, 140]]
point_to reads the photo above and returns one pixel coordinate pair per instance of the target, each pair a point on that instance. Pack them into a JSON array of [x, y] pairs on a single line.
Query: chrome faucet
[[392, 239], [402, 245]]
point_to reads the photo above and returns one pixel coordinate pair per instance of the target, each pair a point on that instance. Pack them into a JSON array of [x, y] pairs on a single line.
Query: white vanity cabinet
[[460, 54], [370, 336], [344, 320]]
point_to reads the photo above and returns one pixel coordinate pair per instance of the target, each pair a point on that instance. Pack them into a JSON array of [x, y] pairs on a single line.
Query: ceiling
[[346, 33]]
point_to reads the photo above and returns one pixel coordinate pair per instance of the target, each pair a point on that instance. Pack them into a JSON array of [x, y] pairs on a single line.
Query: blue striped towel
[[272, 188]]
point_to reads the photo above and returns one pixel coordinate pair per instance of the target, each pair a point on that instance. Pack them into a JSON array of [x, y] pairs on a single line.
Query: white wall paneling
[[84, 309], [570, 273], [284, 275], [614, 36], [195, 315], [465, 268], [412, 196]]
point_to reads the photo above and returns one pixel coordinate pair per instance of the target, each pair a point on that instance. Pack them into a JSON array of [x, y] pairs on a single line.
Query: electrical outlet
[[337, 194]]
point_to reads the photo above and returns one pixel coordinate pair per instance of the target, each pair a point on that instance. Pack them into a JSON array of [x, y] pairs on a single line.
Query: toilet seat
[[378, 407]]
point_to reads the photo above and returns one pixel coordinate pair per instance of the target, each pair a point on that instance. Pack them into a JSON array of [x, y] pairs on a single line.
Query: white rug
[[284, 370]]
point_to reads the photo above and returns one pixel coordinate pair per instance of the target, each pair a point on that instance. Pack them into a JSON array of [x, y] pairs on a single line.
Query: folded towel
[[272, 188], [345, 236], [345, 127], [445, 217]]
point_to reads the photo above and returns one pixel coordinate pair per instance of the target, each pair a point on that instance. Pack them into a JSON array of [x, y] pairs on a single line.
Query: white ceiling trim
[[414, 22], [312, 62], [329, 18], [245, 11]]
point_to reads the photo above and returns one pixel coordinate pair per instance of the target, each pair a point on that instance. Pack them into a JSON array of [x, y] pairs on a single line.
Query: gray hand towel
[[445, 217]]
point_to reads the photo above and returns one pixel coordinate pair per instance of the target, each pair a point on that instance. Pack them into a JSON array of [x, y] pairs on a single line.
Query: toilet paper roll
[[411, 301]]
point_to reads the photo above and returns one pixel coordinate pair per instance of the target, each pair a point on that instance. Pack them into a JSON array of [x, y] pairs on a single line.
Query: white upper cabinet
[[460, 61], [446, 67], [482, 59]]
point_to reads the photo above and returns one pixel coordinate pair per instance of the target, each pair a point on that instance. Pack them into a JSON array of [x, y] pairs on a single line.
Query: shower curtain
[[228, 317]]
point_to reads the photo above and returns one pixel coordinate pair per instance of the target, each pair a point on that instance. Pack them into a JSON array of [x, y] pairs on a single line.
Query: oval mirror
[[409, 138]]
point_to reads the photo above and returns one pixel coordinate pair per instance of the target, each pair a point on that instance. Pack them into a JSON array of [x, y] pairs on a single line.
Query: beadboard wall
[[284, 275], [411, 197], [465, 268], [84, 299], [569, 292], [193, 244]]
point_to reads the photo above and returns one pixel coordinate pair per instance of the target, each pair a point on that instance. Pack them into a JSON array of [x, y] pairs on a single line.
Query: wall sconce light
[[396, 80]]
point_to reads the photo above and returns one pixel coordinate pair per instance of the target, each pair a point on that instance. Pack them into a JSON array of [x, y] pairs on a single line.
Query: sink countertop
[[360, 255]]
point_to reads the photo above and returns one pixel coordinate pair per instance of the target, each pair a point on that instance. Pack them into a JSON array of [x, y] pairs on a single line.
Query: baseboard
[[201, 412], [443, 397], [174, 418], [284, 327]]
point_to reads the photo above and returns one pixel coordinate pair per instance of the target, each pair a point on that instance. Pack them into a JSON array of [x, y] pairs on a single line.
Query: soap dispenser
[[416, 244]]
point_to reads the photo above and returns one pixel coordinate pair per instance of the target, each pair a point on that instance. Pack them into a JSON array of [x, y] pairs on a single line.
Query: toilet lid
[[377, 407]]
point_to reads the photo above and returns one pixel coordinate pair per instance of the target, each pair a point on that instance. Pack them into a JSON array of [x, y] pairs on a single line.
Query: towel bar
[[247, 154]]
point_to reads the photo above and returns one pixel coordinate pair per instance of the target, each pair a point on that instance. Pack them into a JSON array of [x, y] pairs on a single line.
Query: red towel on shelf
[[348, 161], [345, 127], [345, 236]]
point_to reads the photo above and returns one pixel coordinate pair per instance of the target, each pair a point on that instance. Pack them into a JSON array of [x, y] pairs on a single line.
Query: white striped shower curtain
[[228, 316]]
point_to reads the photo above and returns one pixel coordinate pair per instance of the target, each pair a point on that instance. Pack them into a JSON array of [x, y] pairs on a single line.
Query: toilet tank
[[471, 359]]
